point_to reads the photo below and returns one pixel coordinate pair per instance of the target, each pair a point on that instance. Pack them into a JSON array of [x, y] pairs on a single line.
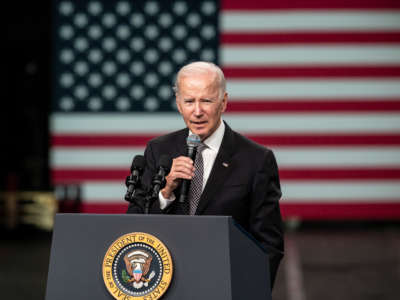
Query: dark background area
[[26, 105]]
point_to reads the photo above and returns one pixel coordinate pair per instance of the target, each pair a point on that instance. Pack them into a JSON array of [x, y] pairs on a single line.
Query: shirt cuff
[[164, 203]]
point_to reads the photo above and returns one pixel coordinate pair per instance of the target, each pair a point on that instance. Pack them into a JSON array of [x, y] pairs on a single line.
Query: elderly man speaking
[[231, 175]]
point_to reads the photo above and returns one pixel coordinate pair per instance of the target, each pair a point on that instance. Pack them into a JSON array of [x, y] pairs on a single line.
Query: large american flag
[[318, 82]]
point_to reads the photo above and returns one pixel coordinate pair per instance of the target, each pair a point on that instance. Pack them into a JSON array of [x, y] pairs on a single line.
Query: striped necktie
[[196, 186]]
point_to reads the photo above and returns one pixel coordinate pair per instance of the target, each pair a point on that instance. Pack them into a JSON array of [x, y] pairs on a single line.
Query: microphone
[[164, 166], [192, 142], [131, 182]]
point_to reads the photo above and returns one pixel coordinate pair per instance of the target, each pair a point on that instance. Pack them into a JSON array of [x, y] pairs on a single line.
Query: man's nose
[[198, 110]]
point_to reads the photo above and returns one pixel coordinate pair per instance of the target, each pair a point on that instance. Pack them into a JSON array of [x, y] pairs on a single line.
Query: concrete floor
[[358, 261], [341, 261]]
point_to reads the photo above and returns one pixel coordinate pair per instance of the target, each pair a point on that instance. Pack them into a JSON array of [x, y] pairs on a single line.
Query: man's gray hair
[[199, 67]]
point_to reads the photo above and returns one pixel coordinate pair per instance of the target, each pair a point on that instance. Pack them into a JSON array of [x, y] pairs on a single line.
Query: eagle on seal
[[137, 263]]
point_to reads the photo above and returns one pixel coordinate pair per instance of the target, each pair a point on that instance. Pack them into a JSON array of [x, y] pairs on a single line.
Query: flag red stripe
[[305, 211], [101, 140], [292, 140], [244, 38], [327, 139], [340, 174], [336, 211], [104, 208], [309, 4], [315, 106], [314, 71], [78, 175], [113, 174]]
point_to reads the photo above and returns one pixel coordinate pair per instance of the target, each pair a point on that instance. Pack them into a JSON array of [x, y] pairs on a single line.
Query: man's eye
[[188, 101]]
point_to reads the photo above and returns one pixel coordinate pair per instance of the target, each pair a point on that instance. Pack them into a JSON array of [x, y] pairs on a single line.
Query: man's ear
[[177, 104], [224, 102]]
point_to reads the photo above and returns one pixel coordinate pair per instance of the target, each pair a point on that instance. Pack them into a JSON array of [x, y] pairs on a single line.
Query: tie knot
[[201, 147]]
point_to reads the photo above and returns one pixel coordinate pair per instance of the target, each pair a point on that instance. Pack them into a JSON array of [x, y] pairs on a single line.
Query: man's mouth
[[198, 122]]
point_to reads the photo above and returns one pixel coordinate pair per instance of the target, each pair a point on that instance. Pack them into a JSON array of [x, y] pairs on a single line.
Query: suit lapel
[[219, 171], [180, 143], [177, 148]]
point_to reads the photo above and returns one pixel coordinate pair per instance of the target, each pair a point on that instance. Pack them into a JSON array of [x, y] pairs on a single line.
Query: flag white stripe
[[116, 123], [93, 158], [336, 190], [281, 21], [247, 124], [262, 88], [347, 157], [338, 157], [349, 54], [103, 192], [293, 192]]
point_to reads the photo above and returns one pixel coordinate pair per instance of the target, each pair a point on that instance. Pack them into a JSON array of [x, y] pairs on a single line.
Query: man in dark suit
[[239, 177]]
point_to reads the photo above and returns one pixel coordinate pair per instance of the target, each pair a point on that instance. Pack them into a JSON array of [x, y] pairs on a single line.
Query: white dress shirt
[[213, 143]]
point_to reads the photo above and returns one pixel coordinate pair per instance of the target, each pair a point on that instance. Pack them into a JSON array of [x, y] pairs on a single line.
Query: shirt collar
[[214, 141]]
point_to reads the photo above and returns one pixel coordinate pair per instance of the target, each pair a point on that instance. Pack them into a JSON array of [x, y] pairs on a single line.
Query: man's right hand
[[182, 168]]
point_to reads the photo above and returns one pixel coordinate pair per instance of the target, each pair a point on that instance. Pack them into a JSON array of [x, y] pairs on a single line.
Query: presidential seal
[[137, 266]]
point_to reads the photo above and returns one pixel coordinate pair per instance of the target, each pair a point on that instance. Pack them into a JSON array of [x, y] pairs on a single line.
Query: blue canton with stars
[[122, 56]]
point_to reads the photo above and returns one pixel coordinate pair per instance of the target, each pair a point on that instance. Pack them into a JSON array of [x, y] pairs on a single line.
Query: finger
[[182, 172], [183, 175], [182, 160], [182, 165]]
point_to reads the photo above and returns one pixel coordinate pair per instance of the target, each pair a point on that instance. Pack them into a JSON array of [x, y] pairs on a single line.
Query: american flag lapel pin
[[225, 164]]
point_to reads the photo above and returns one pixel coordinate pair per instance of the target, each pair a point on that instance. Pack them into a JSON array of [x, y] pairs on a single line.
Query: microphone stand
[[148, 200], [158, 181], [131, 181]]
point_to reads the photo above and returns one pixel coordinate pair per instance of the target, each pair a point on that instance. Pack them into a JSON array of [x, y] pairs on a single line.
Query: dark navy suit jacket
[[243, 183]]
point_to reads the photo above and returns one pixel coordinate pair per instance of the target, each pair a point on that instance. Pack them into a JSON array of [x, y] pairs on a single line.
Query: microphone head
[[165, 162], [193, 140], [138, 163]]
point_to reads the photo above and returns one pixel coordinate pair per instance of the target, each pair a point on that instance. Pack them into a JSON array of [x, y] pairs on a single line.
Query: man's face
[[200, 104]]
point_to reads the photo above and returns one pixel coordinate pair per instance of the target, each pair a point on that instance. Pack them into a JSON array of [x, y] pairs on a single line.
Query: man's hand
[[182, 168]]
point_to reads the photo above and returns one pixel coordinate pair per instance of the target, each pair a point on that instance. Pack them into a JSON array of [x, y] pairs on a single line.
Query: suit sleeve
[[265, 216]]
